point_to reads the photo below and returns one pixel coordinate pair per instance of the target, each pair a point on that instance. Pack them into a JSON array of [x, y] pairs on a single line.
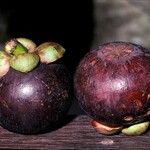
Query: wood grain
[[77, 134]]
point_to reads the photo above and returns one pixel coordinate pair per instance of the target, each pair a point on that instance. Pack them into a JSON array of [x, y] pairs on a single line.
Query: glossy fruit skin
[[112, 83], [31, 103]]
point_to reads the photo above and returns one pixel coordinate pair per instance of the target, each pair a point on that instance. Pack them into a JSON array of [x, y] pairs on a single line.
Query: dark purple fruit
[[34, 102], [112, 84]]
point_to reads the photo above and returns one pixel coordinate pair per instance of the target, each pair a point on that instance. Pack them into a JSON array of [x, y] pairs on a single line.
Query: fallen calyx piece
[[112, 85], [132, 130], [35, 96]]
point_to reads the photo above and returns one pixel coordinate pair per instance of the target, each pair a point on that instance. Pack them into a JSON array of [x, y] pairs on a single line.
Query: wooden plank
[[77, 134]]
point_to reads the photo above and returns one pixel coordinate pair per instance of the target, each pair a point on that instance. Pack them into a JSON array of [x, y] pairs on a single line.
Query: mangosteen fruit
[[34, 96], [112, 85]]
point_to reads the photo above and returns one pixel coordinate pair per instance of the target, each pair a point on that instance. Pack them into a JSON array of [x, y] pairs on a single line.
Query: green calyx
[[24, 56], [50, 52], [20, 57], [136, 129], [4, 63], [14, 47], [4, 55], [25, 62], [29, 44]]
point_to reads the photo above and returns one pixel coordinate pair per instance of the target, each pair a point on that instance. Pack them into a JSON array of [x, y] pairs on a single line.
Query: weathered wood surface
[[76, 134]]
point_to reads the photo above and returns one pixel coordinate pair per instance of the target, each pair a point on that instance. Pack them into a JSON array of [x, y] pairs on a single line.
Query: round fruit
[[34, 102], [34, 97], [112, 84]]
